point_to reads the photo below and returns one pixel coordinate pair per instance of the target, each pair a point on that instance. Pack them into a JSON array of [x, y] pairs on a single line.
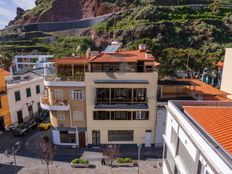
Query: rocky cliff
[[67, 10]]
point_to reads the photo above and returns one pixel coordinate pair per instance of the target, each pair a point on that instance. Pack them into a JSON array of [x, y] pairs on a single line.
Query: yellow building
[[4, 107]]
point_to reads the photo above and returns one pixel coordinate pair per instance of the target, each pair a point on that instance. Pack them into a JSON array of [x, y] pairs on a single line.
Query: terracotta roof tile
[[122, 56], [71, 60], [207, 91], [216, 121]]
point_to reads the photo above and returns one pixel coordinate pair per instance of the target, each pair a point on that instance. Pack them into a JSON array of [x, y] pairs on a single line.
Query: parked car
[[45, 125], [23, 128], [41, 116]]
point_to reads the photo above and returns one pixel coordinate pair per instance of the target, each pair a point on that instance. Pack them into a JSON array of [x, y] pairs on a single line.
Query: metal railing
[[64, 78], [54, 102]]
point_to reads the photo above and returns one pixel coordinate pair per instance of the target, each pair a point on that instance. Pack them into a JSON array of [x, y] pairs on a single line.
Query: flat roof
[[216, 121]]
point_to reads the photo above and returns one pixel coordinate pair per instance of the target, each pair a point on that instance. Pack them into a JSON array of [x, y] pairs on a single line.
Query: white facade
[[186, 150], [19, 84], [33, 61], [226, 84]]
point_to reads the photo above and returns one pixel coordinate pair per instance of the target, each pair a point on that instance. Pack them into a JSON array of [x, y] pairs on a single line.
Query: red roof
[[207, 91], [216, 121], [71, 60], [122, 56]]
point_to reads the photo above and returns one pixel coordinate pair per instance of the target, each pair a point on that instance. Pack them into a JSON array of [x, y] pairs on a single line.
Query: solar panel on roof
[[111, 48]]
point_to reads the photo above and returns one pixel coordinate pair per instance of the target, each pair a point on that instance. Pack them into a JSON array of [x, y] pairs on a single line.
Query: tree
[[112, 151], [6, 60], [215, 6], [47, 151]]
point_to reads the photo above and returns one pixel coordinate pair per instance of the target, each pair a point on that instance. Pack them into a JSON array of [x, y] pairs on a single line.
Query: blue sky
[[8, 9]]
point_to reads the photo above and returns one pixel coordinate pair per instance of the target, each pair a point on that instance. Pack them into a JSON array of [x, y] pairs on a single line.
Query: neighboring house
[[198, 137], [4, 107], [32, 61], [114, 104], [226, 83], [64, 98], [182, 89], [24, 91]]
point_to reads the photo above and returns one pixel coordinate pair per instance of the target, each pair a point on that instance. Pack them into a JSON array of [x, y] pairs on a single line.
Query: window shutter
[[71, 95], [134, 115], [147, 115]]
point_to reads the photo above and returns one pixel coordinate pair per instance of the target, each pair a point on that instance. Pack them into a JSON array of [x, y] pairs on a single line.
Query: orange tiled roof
[[121, 56], [207, 91], [216, 121], [71, 60], [220, 64]]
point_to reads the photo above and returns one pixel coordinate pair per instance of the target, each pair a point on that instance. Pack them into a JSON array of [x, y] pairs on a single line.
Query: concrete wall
[[139, 126], [226, 84]]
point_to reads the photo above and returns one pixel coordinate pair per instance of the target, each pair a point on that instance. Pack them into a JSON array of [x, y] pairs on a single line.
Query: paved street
[[28, 161]]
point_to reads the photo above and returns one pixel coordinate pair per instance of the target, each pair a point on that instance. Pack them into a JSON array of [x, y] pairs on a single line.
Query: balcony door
[[96, 138]]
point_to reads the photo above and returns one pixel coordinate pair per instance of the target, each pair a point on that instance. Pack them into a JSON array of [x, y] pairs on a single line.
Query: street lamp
[[30, 108], [139, 149], [14, 150]]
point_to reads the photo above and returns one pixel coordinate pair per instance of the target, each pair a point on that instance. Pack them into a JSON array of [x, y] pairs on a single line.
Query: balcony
[[69, 81], [56, 105]]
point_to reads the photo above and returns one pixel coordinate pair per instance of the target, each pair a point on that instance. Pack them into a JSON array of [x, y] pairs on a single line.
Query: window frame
[[19, 96], [28, 92]]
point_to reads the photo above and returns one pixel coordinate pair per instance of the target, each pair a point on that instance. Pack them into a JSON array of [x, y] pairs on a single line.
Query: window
[[28, 91], [17, 96], [120, 115], [141, 115], [120, 135], [61, 115], [140, 95], [199, 168], [77, 95], [101, 115], [185, 157], [37, 89], [58, 94], [121, 95], [67, 137], [103, 95], [78, 116], [0, 102]]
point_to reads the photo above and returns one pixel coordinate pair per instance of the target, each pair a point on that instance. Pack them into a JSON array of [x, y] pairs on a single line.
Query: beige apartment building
[[107, 99]]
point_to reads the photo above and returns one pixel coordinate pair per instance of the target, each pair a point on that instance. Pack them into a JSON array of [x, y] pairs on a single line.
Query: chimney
[[94, 53], [142, 47], [149, 55]]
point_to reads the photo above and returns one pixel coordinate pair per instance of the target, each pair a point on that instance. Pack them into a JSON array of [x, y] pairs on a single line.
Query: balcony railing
[[64, 78], [54, 102], [56, 105], [107, 101]]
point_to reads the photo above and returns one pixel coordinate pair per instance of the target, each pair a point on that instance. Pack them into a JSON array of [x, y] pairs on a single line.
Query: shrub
[[80, 161], [124, 160]]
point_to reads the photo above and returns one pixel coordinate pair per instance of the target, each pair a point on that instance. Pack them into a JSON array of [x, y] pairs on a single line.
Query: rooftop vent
[[142, 47]]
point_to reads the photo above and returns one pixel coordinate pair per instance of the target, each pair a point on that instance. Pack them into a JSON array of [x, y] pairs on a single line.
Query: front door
[[2, 124], [82, 139], [148, 138], [96, 138], [20, 116]]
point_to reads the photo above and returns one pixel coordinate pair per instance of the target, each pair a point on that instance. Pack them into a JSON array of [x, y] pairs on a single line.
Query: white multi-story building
[[198, 138], [24, 92], [32, 61]]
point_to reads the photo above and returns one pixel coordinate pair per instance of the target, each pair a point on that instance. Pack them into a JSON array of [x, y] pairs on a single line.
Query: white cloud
[[25, 4]]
